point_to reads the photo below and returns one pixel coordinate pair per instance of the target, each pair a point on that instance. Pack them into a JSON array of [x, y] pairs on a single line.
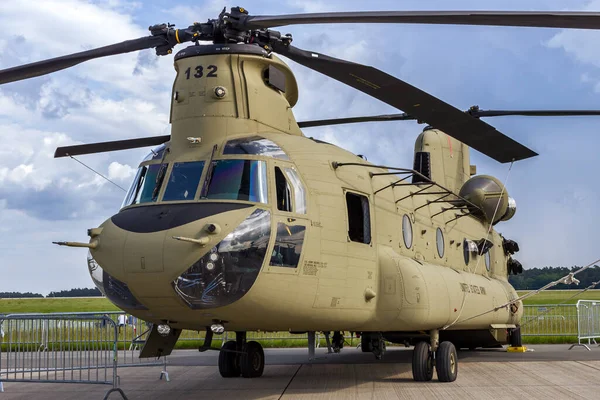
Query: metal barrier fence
[[588, 322], [549, 320], [65, 349], [72, 348]]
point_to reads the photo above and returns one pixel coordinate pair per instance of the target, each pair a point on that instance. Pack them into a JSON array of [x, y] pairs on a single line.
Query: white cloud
[[120, 172]]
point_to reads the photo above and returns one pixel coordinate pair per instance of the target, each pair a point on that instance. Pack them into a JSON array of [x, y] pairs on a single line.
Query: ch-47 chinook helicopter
[[239, 222]]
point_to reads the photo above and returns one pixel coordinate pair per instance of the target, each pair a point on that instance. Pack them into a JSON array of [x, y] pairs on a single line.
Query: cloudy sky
[[43, 199]]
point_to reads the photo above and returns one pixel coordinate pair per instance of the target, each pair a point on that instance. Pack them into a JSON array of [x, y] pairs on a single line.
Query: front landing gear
[[252, 361], [241, 358], [446, 362], [442, 355], [422, 362]]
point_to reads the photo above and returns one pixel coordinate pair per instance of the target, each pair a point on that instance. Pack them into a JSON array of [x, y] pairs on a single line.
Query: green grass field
[[8, 306], [49, 305], [559, 296], [541, 325]]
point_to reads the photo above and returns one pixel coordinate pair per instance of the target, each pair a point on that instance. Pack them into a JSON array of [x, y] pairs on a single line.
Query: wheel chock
[[519, 349]]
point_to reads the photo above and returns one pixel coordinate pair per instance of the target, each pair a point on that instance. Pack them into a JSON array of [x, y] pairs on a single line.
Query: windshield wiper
[[209, 173], [160, 176]]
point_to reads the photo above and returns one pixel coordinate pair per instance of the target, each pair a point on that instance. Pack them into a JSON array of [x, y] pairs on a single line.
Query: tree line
[[78, 292], [535, 278]]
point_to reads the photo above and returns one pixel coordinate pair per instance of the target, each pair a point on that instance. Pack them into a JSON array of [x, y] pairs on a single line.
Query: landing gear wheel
[[446, 362], [515, 337], [229, 363], [422, 362], [252, 362]]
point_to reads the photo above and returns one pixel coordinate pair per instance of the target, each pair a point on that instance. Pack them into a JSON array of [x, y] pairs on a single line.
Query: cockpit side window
[[254, 145], [183, 181], [299, 191], [238, 180], [284, 191]]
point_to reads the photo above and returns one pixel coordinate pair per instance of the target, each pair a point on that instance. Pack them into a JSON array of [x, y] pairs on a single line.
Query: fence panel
[[588, 322], [60, 349], [549, 320]]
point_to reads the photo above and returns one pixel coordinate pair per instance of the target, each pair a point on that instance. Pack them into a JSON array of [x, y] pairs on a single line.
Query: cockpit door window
[[288, 245]]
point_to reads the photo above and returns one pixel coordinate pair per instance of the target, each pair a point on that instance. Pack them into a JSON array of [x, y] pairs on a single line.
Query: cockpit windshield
[[146, 185], [237, 180], [184, 180]]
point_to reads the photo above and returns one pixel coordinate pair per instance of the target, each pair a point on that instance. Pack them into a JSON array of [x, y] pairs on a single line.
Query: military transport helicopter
[[239, 222]]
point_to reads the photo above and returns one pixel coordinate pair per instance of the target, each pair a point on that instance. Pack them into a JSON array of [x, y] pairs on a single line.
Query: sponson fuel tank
[[417, 295]]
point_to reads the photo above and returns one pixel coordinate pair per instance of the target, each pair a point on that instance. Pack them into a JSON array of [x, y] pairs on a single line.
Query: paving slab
[[550, 372]]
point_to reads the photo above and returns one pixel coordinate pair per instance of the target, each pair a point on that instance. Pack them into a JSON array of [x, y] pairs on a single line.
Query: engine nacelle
[[489, 194]]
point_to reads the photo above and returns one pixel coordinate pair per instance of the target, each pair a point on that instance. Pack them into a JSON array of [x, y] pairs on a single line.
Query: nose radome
[[137, 247]]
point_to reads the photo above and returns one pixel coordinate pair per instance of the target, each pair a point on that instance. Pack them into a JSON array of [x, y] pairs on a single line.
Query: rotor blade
[[353, 120], [56, 64], [535, 113], [540, 19], [425, 107], [110, 146], [474, 113]]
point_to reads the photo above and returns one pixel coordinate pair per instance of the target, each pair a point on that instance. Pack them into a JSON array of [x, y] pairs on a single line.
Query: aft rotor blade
[[353, 120], [56, 64], [110, 146], [535, 113], [477, 113], [423, 106], [539, 19]]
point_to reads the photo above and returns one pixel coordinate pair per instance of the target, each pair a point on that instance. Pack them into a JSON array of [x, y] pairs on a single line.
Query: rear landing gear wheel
[[422, 362], [252, 361], [229, 362], [446, 362]]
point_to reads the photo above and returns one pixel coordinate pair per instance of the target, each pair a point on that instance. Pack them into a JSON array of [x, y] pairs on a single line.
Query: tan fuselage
[[339, 284]]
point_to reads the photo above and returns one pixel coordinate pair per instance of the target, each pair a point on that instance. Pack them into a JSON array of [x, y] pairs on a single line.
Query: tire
[[365, 343], [446, 362], [422, 362], [515, 337], [229, 363], [252, 362]]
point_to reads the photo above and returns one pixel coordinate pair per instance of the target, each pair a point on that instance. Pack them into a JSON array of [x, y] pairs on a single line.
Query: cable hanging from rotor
[[98, 173]]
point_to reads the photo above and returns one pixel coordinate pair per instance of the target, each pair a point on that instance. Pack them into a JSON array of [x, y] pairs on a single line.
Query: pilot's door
[[290, 222]]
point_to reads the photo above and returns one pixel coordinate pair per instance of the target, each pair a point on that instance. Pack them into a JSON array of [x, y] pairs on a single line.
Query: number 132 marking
[[199, 72]]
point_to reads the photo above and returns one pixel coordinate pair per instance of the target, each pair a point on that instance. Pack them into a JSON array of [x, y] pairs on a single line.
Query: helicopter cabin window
[[146, 185], [288, 246], [183, 182], [284, 191], [359, 218], [299, 191], [254, 145], [237, 180]]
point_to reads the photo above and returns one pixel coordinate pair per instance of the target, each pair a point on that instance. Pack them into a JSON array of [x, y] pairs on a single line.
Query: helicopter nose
[[136, 246]]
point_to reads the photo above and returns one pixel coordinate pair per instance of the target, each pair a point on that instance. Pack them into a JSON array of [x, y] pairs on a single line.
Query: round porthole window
[[439, 238], [407, 232], [488, 260], [466, 251]]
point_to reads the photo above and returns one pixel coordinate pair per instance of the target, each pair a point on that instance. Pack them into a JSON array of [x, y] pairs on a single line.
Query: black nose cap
[[155, 218]]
